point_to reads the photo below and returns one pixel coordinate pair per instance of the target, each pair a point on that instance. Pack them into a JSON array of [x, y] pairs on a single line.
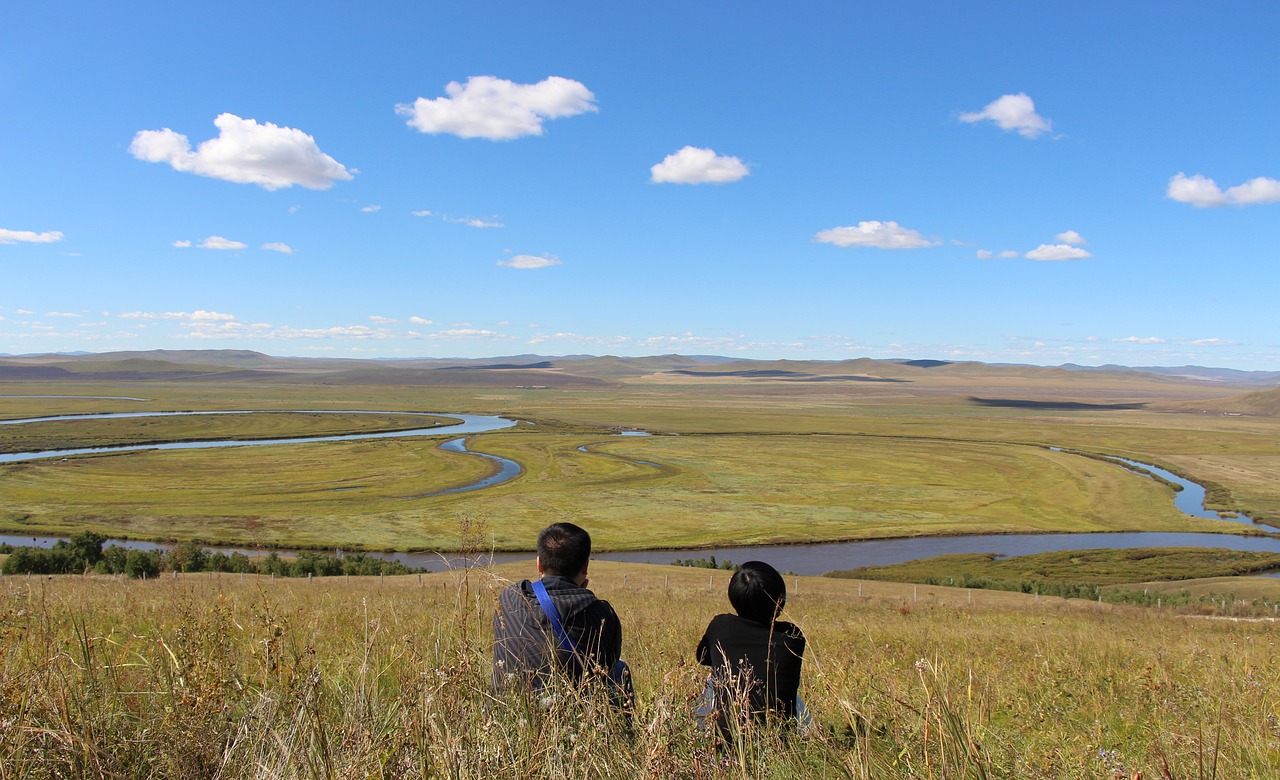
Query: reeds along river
[[804, 559]]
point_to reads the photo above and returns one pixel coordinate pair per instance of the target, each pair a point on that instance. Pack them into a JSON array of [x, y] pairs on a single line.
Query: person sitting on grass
[[754, 657], [554, 624]]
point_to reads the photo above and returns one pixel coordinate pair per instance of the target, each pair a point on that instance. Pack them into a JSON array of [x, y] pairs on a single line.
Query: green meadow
[[731, 461]]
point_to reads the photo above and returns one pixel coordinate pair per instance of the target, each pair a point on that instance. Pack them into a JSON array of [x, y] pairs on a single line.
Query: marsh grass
[[228, 676]]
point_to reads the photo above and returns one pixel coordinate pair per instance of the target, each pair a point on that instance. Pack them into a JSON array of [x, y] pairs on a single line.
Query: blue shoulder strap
[[549, 609]]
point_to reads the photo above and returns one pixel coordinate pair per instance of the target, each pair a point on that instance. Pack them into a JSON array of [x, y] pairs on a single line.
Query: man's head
[[564, 549], [757, 592]]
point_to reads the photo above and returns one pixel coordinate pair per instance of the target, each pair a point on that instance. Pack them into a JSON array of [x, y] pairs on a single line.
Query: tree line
[[84, 553]]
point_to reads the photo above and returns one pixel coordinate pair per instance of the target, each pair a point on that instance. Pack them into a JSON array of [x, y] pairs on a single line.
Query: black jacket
[[758, 660], [523, 640]]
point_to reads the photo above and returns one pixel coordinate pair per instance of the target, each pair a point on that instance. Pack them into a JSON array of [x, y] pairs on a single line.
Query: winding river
[[799, 558]]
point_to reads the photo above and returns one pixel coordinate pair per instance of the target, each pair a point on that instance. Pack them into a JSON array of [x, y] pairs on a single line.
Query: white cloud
[[497, 109], [1212, 343], [1071, 237], [420, 321], [380, 320], [371, 209], [882, 235], [245, 152], [1203, 192], [987, 254], [528, 262], [277, 246], [181, 244], [464, 333], [218, 242], [60, 314], [1057, 252], [199, 315], [29, 237], [693, 165], [1140, 340], [476, 222], [1012, 112]]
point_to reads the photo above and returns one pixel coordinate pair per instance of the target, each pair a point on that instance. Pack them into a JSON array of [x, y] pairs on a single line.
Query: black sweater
[[758, 659]]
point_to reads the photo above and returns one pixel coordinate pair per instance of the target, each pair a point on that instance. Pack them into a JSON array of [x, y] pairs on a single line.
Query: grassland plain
[[229, 677], [67, 434], [755, 463]]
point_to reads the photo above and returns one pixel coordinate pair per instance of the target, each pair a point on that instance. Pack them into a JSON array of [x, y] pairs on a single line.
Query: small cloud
[[497, 109], [693, 165], [60, 314], [420, 321], [29, 237], [1212, 343], [245, 152], [529, 262], [873, 233], [1057, 252], [380, 320], [181, 244], [294, 209], [476, 222], [1140, 340], [277, 246], [1071, 237], [1012, 112], [423, 213], [1203, 192], [218, 242], [371, 209]]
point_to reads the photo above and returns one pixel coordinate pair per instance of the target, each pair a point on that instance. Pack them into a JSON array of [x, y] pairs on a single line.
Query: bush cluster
[[84, 552]]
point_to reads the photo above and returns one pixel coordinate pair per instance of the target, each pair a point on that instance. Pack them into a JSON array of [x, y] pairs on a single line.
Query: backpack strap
[[553, 616]]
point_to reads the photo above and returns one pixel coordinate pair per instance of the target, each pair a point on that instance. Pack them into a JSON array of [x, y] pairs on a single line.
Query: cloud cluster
[[196, 316], [1012, 112], [1204, 193], [529, 262], [694, 165], [245, 152], [873, 233], [498, 109], [28, 237], [1067, 248]]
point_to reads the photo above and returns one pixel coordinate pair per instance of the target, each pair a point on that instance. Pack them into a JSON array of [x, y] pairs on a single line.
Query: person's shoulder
[[786, 629]]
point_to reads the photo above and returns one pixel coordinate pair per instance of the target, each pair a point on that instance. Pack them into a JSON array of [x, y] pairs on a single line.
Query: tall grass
[[229, 676]]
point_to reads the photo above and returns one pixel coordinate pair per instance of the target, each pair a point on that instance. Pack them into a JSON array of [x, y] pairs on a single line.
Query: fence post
[[971, 597], [710, 578]]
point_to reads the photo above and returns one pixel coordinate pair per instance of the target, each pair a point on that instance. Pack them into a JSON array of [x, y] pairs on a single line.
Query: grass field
[[231, 677], [752, 464]]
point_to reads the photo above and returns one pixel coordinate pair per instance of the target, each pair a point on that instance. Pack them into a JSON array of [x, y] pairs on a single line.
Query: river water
[[803, 559]]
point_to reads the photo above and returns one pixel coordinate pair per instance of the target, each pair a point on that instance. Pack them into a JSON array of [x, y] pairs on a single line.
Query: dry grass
[[230, 677]]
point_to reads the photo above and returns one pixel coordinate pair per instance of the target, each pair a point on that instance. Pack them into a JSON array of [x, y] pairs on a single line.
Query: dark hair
[[563, 549], [757, 592]]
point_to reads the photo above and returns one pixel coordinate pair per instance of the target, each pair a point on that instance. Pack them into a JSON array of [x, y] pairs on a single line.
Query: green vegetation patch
[[1087, 567]]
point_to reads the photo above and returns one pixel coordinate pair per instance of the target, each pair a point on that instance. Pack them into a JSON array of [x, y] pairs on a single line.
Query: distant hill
[[1263, 403], [529, 370]]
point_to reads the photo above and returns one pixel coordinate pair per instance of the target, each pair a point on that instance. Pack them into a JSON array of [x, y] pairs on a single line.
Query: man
[[528, 649]]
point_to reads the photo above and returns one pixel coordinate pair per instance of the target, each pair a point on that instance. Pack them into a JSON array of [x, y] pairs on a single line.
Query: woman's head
[[757, 592]]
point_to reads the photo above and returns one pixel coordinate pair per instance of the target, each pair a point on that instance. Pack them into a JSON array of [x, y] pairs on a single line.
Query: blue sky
[[1042, 183]]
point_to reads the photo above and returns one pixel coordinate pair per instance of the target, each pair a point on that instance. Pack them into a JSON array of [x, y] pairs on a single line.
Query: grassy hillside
[[1263, 403], [231, 677]]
